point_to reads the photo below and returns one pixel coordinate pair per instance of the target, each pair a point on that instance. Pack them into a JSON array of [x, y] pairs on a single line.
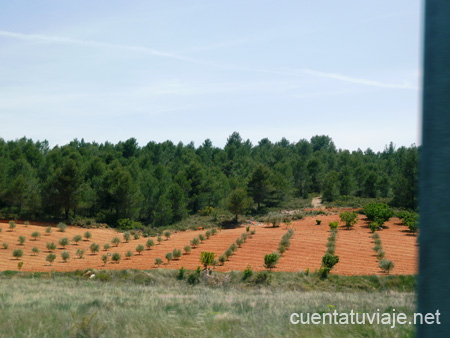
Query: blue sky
[[192, 70]]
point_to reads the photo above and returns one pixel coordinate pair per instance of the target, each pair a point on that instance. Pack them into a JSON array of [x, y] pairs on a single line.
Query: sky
[[196, 70]]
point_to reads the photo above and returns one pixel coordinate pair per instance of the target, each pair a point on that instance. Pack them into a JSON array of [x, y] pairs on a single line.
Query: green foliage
[[167, 234], [222, 259], [128, 224], [159, 239], [140, 248], [208, 234], [270, 260], [169, 257], [26, 223], [176, 253], [195, 242], [116, 257], [129, 254], [115, 241], [63, 242], [228, 253], [87, 326], [20, 265], [21, 240], [238, 202], [207, 258], [17, 253], [349, 218], [5, 246], [106, 246], [194, 277], [12, 225], [386, 265], [181, 273], [105, 259], [239, 242], [158, 261], [248, 272], [380, 254], [149, 243], [328, 263], [62, 227], [65, 256], [233, 247], [281, 249], [80, 253], [94, 247], [187, 249], [373, 226], [378, 212], [76, 239], [51, 246], [201, 238], [87, 235], [136, 235], [318, 221], [35, 251], [50, 258], [48, 230], [273, 218], [36, 235], [126, 236]]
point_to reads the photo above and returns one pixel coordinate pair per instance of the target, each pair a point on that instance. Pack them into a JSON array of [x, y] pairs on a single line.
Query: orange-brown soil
[[308, 245]]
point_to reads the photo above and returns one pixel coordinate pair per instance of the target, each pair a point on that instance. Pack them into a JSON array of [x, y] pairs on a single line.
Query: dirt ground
[[308, 245]]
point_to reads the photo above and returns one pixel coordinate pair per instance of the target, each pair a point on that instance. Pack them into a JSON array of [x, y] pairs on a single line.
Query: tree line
[[162, 183]]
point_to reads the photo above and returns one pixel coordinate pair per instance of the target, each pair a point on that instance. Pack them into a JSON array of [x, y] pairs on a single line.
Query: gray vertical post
[[434, 198]]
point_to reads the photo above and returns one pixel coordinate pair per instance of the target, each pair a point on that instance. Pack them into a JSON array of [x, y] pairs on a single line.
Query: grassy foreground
[[156, 304]]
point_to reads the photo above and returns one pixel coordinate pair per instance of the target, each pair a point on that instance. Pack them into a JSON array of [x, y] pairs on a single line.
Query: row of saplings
[[271, 259], [384, 264], [234, 246]]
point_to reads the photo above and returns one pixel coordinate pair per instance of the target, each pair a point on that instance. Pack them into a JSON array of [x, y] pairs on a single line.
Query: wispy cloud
[[159, 53]]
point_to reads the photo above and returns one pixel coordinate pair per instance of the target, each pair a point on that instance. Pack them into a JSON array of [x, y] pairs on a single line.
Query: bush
[[379, 212], [375, 235], [129, 254], [377, 247], [167, 234], [239, 242], [76, 239], [331, 244], [126, 236], [36, 235], [207, 258], [116, 257], [176, 253], [48, 230], [208, 234], [63, 242], [158, 261], [273, 218], [263, 277], [233, 247], [106, 246], [65, 256], [21, 240], [115, 241], [51, 246], [50, 258], [380, 254], [105, 259], [87, 235], [331, 250], [213, 231], [180, 274], [62, 227], [137, 235], [35, 251], [373, 226], [328, 263], [333, 225], [201, 238], [5, 246], [194, 277], [159, 239], [386, 265], [128, 224], [244, 237], [17, 253], [12, 225], [26, 223], [94, 247], [349, 218], [248, 272], [187, 249], [140, 248], [80, 253], [222, 259], [169, 257], [281, 249], [195, 242], [270, 260], [285, 242], [377, 241], [149, 244], [228, 253], [318, 221]]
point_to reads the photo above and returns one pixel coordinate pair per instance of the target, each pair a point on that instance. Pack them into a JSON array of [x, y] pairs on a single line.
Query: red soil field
[[308, 245]]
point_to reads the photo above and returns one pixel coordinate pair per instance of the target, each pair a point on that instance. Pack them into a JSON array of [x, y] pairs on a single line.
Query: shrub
[[331, 244], [129, 254], [169, 257], [195, 242], [328, 263], [413, 226], [252, 232], [159, 239], [213, 231], [105, 259], [263, 277], [36, 235], [5, 246], [386, 265], [87, 235], [375, 235], [379, 212], [116, 257], [377, 241], [270, 260], [333, 225], [207, 258], [62, 227], [63, 242], [0, 230], [285, 242], [158, 261], [244, 237], [106, 246], [51, 246], [50, 258], [126, 236], [247, 228], [194, 277], [180, 274], [318, 221], [222, 259], [239, 242], [12, 225], [115, 241], [228, 253], [80, 253], [65, 256], [26, 223], [17, 253], [373, 226], [281, 249], [349, 218], [233, 247], [201, 238], [380, 254], [176, 253], [137, 235], [140, 248], [167, 234], [208, 234], [149, 244], [248, 272], [35, 251], [76, 239], [94, 247], [19, 265], [273, 218], [187, 249], [331, 250], [21, 240], [48, 230], [377, 247]]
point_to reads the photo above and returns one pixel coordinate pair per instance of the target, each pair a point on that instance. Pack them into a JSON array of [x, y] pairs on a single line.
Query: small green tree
[[35, 251], [169, 257], [87, 235], [207, 258], [94, 247], [238, 203], [116, 257], [106, 246], [328, 263], [386, 265], [36, 235], [126, 236], [176, 253], [208, 234], [195, 242], [12, 225], [222, 259], [26, 223], [51, 246], [48, 230], [201, 238], [213, 231], [65, 256], [281, 249], [140, 248], [167, 234], [17, 253], [149, 244], [233, 247], [20, 265], [187, 249], [62, 227], [239, 242], [273, 218], [21, 240], [105, 259], [80, 253], [137, 235], [270, 260], [129, 254], [50, 258], [228, 253], [159, 239], [63, 242], [76, 239], [349, 218], [158, 261], [5, 246], [115, 241]]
